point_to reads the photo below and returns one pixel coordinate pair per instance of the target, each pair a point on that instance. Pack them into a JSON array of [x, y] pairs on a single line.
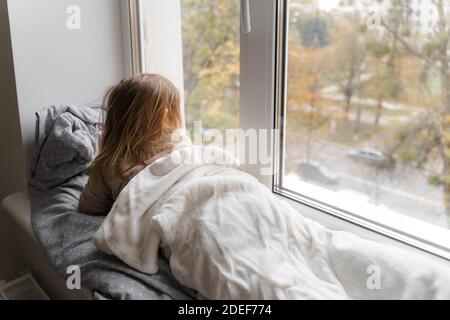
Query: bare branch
[[405, 44], [424, 124]]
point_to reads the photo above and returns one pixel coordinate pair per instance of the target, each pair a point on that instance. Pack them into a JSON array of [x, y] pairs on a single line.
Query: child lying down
[[228, 236]]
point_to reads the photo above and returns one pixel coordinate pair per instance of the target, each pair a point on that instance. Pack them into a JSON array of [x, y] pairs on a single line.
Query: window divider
[[135, 19], [257, 76]]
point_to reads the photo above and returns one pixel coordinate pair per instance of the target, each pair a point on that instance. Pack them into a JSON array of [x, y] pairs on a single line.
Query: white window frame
[[395, 229], [257, 76], [263, 77]]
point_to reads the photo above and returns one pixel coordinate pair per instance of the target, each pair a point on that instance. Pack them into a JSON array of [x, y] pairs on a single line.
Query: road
[[404, 190]]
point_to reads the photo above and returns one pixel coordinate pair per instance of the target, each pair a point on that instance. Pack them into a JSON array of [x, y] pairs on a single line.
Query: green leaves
[[378, 49]]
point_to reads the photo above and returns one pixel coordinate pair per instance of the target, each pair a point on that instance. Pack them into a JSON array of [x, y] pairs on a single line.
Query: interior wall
[[44, 63], [56, 65], [163, 50]]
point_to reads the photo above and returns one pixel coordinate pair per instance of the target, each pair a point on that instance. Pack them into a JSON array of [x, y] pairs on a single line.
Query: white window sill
[[371, 222]]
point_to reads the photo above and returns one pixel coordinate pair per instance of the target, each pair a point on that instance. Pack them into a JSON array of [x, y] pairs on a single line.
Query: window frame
[[134, 22], [263, 72], [257, 96]]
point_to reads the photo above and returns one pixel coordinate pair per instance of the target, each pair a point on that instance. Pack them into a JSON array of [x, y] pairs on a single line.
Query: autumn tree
[[384, 81], [211, 52], [348, 59], [433, 131], [309, 44]]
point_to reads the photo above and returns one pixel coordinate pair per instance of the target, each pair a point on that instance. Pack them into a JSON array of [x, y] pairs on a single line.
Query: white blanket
[[231, 238]]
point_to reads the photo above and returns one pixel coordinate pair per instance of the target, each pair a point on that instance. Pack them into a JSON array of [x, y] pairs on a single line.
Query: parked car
[[371, 157], [316, 172]]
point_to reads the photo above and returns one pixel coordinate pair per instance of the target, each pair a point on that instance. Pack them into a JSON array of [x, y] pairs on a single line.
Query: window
[[199, 50], [358, 91], [211, 52], [365, 113]]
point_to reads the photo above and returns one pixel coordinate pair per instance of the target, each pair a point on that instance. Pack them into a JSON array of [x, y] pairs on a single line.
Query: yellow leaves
[[211, 61], [446, 137], [447, 153], [446, 121], [305, 79], [224, 62]]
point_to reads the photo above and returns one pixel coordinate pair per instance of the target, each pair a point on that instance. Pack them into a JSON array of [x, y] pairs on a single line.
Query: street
[[404, 190]]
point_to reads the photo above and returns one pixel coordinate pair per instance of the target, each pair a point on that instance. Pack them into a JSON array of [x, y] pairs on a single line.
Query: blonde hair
[[141, 114]]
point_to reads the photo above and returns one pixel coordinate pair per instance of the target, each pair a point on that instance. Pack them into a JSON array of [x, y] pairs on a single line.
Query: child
[[141, 115]]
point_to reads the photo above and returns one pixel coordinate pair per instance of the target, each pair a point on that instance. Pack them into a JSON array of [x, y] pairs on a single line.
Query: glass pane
[[196, 44], [211, 52], [368, 106]]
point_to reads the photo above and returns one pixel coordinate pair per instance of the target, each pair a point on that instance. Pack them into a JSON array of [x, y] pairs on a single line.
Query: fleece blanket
[[231, 238], [65, 144]]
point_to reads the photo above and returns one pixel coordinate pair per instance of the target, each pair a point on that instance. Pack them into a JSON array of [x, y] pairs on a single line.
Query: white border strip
[[136, 23]]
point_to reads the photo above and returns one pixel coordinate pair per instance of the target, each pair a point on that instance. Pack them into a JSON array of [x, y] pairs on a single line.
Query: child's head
[[141, 114]]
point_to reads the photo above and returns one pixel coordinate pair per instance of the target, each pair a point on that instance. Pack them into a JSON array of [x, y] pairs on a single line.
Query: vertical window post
[[137, 56], [257, 78]]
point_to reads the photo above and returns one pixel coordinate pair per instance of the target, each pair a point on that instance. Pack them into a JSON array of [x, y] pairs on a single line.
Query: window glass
[[368, 106], [211, 53], [196, 44]]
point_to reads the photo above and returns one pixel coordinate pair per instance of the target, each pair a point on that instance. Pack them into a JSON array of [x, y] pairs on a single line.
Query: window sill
[[372, 224]]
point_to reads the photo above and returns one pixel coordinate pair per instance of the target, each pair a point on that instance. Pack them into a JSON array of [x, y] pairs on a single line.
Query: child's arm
[[96, 199]]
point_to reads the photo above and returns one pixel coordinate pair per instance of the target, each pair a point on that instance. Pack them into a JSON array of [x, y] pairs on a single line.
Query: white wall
[[162, 40], [55, 65], [43, 63]]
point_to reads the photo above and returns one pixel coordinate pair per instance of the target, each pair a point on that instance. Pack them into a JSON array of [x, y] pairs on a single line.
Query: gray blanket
[[66, 144]]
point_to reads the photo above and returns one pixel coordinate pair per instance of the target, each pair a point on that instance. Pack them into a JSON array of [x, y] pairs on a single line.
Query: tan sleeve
[[96, 199]]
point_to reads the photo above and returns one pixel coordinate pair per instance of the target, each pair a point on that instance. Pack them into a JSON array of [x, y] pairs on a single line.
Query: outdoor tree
[[348, 59], [314, 32], [384, 82], [433, 131], [307, 68], [387, 84], [211, 52]]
